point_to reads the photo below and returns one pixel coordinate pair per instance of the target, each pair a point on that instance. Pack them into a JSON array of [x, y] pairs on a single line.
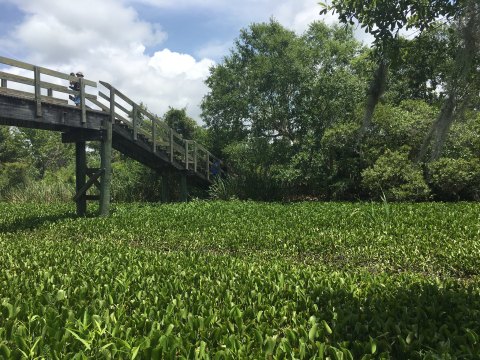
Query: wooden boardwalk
[[110, 117]]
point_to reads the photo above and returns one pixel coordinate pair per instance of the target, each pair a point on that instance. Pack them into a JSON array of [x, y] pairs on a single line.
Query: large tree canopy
[[384, 19], [276, 94]]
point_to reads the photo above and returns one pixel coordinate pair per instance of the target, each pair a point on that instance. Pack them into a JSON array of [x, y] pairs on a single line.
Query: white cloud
[[171, 65], [107, 41]]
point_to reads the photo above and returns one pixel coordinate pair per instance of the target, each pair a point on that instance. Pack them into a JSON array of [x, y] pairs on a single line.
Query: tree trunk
[[375, 92], [458, 83]]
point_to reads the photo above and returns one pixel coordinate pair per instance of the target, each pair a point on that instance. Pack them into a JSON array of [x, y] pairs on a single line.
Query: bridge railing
[[142, 123], [39, 83]]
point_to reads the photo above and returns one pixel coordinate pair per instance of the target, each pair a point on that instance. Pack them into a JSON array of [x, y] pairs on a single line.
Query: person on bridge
[[75, 85]]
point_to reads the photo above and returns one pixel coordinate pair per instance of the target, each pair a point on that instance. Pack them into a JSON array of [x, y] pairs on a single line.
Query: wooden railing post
[[80, 176], [183, 187], [38, 94], [106, 158], [82, 100], [135, 121], [186, 154], [3, 83], [50, 92]]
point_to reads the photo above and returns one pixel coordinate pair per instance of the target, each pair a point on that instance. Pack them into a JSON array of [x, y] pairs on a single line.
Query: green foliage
[[47, 151], [224, 188], [241, 280], [132, 181], [385, 18], [12, 174], [453, 179], [41, 192], [396, 177], [179, 121], [263, 110]]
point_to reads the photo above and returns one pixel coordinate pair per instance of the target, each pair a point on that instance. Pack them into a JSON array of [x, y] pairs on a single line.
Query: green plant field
[[229, 280]]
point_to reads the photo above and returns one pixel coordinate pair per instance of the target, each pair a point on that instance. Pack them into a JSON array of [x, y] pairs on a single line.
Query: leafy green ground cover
[[225, 280]]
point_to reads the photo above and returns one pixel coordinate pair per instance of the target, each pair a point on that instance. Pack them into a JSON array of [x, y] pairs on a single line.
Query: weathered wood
[[16, 63], [165, 188], [80, 135], [106, 159], [117, 105], [118, 93], [43, 84], [80, 177], [38, 94], [82, 101], [82, 191], [50, 92], [26, 66], [91, 172], [30, 96], [92, 197], [19, 111], [183, 187], [3, 83], [135, 121]]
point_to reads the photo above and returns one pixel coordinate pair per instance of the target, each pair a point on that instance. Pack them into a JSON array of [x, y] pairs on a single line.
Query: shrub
[[395, 176], [224, 188], [455, 179]]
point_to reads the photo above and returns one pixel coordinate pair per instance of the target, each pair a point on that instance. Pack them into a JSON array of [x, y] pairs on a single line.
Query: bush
[[455, 179], [224, 188], [396, 177]]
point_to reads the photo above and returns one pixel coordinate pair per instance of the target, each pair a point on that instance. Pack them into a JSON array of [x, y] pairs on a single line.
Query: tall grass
[[40, 192]]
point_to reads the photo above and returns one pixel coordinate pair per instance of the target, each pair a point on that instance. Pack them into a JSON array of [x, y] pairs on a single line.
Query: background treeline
[[316, 115], [299, 116]]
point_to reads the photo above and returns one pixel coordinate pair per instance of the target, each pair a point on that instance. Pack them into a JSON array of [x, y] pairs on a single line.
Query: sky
[[158, 52]]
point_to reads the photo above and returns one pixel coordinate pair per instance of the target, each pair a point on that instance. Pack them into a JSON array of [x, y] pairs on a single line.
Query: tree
[[47, 150], [384, 19], [275, 95], [179, 121]]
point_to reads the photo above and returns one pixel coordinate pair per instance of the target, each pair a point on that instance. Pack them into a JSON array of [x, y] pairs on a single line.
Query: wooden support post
[[165, 187], [171, 145], [195, 156], [135, 121], [50, 92], [186, 154], [82, 100], [3, 83], [106, 158], [38, 94], [80, 176], [183, 187]]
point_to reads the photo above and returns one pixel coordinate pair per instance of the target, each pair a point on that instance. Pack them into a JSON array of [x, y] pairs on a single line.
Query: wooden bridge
[[41, 101]]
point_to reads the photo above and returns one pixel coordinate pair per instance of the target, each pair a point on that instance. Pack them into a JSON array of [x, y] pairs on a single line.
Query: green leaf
[[83, 341]]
